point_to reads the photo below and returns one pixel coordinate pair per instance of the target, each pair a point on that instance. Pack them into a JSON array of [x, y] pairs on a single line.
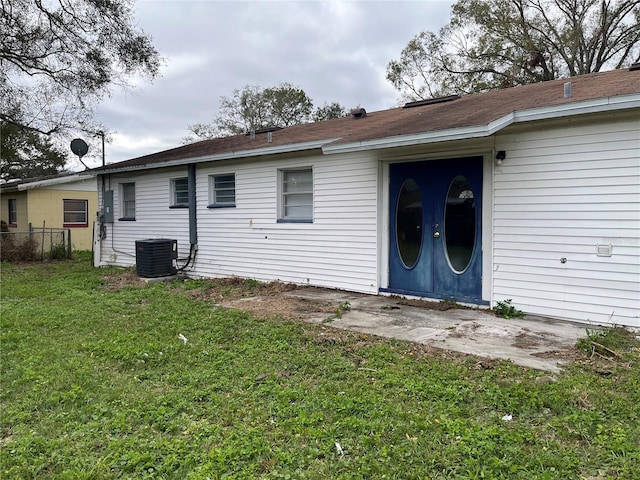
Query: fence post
[[68, 243], [44, 222]]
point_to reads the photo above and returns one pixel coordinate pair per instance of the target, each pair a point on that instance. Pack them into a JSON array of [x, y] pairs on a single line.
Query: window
[[128, 195], [75, 213], [13, 211], [296, 201], [180, 192], [222, 190]]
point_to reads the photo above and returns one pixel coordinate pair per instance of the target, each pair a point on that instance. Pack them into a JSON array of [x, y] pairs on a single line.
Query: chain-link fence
[[36, 244]]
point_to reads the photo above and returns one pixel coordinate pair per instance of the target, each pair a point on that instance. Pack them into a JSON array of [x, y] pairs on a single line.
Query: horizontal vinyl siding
[[337, 250], [154, 218], [559, 193]]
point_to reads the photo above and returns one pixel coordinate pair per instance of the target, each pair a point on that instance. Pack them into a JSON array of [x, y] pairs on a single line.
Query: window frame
[[213, 203], [283, 201], [124, 202], [13, 212], [174, 193], [85, 211]]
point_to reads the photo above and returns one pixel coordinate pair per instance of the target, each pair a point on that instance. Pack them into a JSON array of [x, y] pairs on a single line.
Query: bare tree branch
[[58, 58], [491, 44]]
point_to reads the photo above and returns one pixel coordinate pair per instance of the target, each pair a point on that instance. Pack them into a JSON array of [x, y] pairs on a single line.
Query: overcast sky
[[336, 51]]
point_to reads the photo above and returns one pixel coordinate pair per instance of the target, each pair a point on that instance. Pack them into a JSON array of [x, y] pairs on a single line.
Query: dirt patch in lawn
[[259, 299], [444, 326], [127, 277], [262, 299], [289, 307]]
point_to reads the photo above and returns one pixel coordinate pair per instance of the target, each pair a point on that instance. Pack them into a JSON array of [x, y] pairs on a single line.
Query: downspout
[[193, 223]]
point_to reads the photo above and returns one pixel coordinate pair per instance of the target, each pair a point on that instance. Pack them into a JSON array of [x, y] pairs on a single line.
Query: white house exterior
[[523, 194]]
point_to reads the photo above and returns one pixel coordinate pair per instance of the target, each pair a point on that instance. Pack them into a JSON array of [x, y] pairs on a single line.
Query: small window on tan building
[[13, 212], [76, 213]]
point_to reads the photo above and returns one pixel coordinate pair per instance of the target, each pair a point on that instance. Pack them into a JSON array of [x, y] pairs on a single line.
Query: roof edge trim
[[296, 147], [421, 138], [607, 104], [55, 181], [603, 104]]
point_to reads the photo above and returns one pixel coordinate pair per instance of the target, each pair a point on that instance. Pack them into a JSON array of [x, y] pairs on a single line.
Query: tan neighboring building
[[68, 201]]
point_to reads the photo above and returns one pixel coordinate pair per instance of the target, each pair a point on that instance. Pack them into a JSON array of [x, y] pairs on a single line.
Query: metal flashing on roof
[[263, 130], [431, 101]]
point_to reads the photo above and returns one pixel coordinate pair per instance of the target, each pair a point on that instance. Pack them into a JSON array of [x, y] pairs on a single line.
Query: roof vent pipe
[[269, 137], [358, 113], [567, 90]]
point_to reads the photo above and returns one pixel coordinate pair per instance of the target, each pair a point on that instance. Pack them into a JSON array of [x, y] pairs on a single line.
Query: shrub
[[59, 252], [18, 249]]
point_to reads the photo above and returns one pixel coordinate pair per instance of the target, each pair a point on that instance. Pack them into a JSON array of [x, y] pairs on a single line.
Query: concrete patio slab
[[533, 342]]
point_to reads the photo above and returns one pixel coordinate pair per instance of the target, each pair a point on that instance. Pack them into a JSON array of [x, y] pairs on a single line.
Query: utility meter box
[[107, 212], [156, 257]]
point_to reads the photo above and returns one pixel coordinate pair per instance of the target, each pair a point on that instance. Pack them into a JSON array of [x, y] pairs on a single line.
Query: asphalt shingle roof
[[472, 110]]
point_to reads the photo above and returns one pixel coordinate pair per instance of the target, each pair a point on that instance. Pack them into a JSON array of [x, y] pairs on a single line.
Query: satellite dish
[[79, 147]]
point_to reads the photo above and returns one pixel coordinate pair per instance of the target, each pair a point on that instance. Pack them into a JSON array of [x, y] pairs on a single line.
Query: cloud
[[335, 51], [123, 143]]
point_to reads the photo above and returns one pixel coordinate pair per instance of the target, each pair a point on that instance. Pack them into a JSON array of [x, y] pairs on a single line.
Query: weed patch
[[615, 344], [504, 309]]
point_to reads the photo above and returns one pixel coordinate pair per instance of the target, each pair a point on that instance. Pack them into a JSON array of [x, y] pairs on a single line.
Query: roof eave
[[599, 105], [257, 152], [55, 181]]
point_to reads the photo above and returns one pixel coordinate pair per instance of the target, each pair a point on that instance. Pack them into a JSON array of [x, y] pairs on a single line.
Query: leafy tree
[[286, 105], [25, 153], [329, 111], [59, 57], [492, 44], [256, 108]]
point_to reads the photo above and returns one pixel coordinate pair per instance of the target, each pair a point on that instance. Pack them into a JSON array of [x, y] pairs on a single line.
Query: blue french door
[[435, 228]]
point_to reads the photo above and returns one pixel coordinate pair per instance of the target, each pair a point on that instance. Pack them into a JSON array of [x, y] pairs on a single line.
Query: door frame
[[384, 214]]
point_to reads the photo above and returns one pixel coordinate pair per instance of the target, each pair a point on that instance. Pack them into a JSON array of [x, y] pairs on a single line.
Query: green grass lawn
[[96, 383]]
